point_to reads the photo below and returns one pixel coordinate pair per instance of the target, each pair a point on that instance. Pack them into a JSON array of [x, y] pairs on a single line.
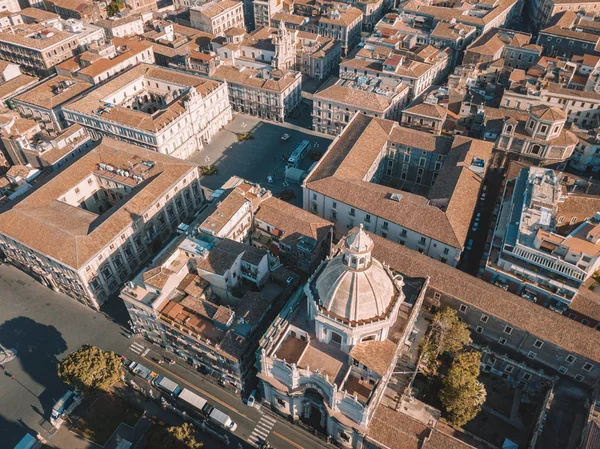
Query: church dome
[[354, 286]]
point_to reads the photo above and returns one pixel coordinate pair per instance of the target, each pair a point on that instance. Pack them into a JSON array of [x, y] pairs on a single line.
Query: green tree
[[462, 394], [114, 7], [446, 334], [90, 368], [180, 437]]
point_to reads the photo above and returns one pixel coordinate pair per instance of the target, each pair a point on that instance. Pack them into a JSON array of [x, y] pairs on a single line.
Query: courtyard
[[264, 155]]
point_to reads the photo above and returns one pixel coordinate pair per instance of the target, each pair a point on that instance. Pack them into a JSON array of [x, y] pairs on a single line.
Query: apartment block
[[479, 14], [38, 47], [586, 157], [69, 235], [216, 17], [352, 184], [543, 12], [25, 144], [339, 99], [497, 43], [571, 34], [44, 101], [130, 25], [300, 239], [172, 302], [102, 62], [165, 110], [533, 254], [270, 96], [333, 20], [417, 69]]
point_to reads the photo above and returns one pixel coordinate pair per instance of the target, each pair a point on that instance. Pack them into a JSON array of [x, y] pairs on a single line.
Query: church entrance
[[314, 413]]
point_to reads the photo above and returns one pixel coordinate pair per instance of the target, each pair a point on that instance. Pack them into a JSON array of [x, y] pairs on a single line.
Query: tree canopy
[[462, 394], [90, 368], [176, 437], [114, 7], [446, 334]]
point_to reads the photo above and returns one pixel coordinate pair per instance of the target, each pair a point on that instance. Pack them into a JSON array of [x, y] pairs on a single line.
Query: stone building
[[339, 99], [38, 47], [192, 109], [88, 229], [541, 138], [408, 186], [328, 361], [173, 302], [216, 17]]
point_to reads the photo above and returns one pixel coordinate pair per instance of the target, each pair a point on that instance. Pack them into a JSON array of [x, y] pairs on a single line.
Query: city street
[[43, 326], [262, 156]]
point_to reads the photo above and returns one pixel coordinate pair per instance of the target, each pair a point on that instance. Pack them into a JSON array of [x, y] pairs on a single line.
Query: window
[[334, 205], [543, 128], [463, 308], [538, 344], [314, 196], [562, 370], [422, 241], [352, 211], [526, 377], [587, 366], [484, 318], [532, 355], [502, 340], [570, 359], [585, 322], [579, 378], [508, 330], [437, 295], [509, 368], [479, 330], [446, 251], [368, 218]]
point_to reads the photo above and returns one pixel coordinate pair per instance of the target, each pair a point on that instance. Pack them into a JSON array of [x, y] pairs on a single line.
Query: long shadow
[[12, 432], [38, 346]]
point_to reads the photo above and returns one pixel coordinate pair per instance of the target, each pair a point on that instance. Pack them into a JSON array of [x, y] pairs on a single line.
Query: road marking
[[263, 427], [136, 348], [198, 389], [287, 440], [268, 418], [262, 433]]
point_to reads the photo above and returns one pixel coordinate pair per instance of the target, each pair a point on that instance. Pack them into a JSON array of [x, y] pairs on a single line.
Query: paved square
[[256, 159]]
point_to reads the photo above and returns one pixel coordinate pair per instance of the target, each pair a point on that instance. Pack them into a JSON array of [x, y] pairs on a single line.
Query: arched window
[[509, 129]]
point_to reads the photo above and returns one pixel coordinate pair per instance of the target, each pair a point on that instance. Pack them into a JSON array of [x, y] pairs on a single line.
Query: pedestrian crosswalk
[[137, 348], [262, 429]]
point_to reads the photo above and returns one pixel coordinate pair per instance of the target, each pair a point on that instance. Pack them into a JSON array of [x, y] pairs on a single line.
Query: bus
[[299, 153]]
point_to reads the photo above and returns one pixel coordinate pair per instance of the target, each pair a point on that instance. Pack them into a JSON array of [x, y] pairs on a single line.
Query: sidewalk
[[66, 439]]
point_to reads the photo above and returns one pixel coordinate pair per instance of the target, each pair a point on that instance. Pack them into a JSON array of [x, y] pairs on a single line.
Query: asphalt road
[[260, 157], [43, 326]]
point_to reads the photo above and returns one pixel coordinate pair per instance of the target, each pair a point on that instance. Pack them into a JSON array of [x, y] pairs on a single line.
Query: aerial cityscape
[[299, 224]]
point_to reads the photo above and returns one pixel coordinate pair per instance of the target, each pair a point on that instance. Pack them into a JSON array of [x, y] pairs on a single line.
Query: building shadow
[[38, 346]]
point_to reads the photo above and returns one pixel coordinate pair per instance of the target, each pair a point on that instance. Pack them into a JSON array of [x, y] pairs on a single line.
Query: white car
[[285, 137], [251, 400]]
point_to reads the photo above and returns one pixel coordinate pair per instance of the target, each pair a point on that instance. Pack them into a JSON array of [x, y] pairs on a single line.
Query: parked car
[[251, 399], [289, 280], [285, 137]]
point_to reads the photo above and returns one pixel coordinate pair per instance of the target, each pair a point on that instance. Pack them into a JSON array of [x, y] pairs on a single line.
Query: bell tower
[[285, 53]]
